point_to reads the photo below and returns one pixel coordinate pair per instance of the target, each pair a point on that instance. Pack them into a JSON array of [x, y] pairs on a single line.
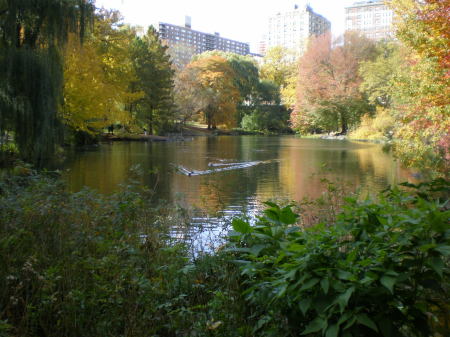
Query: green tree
[[156, 80], [32, 34], [378, 76]]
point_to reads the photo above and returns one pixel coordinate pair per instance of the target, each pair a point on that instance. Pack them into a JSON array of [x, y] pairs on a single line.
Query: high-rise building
[[184, 42], [291, 29], [372, 18]]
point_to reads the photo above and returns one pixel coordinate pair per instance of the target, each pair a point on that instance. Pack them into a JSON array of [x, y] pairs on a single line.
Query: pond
[[228, 174]]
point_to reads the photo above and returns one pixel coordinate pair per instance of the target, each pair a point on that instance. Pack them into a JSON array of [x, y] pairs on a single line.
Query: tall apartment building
[[292, 29], [184, 42], [372, 18]]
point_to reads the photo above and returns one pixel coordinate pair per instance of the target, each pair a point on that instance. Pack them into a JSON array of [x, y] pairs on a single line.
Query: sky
[[241, 20]]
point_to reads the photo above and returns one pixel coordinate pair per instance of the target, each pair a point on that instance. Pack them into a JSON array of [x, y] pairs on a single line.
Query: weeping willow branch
[[34, 34]]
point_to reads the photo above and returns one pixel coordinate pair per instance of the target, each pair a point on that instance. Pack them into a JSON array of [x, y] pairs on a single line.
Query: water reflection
[[292, 169]]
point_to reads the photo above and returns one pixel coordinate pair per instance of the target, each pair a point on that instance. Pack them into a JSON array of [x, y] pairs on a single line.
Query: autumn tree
[[155, 78], [379, 75], [246, 74], [279, 66], [32, 35], [189, 97], [213, 80], [424, 86], [97, 78], [328, 95]]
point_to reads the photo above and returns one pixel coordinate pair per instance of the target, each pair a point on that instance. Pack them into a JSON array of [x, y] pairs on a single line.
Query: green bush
[[267, 118], [381, 270], [86, 264]]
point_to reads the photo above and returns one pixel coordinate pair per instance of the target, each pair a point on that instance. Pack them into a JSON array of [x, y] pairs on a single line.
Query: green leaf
[[281, 290], [352, 256], [316, 325], [309, 284], [295, 247], [365, 320], [350, 322], [261, 322], [344, 275], [271, 204], [305, 304], [332, 331], [388, 282], [343, 299], [241, 226], [344, 317], [427, 247], [443, 249], [287, 216], [273, 215], [437, 265], [325, 284], [256, 249]]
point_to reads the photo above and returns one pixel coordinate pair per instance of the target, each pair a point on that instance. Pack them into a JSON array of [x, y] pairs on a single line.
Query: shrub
[[379, 127], [381, 270], [86, 264]]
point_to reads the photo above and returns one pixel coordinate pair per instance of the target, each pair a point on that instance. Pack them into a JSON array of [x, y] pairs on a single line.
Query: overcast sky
[[242, 20]]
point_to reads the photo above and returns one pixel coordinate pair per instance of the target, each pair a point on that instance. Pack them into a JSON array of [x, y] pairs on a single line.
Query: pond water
[[228, 174]]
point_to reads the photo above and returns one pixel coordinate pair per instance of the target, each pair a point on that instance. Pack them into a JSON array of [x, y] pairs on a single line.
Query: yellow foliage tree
[[97, 78], [215, 80], [424, 85]]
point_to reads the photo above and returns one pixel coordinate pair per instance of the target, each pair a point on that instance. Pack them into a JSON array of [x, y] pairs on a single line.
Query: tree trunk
[[344, 124], [150, 122]]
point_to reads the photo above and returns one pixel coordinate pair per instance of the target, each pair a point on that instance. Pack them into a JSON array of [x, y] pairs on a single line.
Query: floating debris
[[221, 167], [222, 164]]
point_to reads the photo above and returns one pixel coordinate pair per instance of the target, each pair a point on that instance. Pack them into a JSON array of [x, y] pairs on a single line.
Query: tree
[[190, 100], [213, 78], [245, 79], [97, 78], [378, 76], [280, 66], [155, 79], [328, 95], [32, 36], [424, 84]]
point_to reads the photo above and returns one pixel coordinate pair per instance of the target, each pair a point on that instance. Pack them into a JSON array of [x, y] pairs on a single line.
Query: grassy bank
[[85, 264]]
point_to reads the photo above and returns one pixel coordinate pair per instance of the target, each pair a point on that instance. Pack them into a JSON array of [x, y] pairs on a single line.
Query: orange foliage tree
[[328, 95], [212, 79]]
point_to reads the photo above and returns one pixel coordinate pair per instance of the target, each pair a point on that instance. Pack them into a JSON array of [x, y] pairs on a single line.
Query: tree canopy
[[97, 77], [328, 95], [33, 34], [155, 79], [214, 81]]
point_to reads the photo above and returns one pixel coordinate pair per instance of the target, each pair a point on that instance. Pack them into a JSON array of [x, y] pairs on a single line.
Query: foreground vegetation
[[84, 264]]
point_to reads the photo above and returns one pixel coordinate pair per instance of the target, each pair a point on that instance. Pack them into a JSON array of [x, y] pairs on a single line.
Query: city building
[[184, 42], [292, 29], [262, 46], [372, 18]]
